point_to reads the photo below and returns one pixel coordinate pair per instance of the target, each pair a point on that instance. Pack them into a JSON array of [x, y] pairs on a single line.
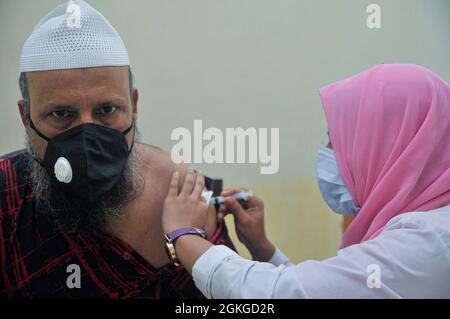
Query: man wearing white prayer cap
[[80, 207]]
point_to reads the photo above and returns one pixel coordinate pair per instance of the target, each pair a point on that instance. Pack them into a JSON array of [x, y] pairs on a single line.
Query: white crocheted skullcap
[[73, 35]]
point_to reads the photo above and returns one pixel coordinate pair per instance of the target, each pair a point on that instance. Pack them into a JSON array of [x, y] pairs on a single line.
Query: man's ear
[[23, 112], [135, 102]]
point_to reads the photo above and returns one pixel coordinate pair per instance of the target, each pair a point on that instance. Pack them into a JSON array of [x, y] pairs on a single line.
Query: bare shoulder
[[158, 166], [152, 156]]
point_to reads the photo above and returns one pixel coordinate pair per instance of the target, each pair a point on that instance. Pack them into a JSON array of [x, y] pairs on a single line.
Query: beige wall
[[247, 63]]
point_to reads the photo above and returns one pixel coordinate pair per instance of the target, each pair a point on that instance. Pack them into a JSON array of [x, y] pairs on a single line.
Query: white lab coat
[[409, 259]]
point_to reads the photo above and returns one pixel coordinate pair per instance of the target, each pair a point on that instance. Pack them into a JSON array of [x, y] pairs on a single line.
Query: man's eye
[[106, 109], [61, 114]]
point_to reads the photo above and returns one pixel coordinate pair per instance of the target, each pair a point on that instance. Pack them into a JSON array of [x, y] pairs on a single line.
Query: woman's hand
[[185, 209], [249, 224]]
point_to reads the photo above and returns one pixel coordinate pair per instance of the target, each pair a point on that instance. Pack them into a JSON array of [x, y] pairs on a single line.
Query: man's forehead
[[106, 74], [64, 86]]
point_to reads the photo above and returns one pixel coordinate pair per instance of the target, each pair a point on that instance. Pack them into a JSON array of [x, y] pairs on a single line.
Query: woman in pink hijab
[[387, 163]]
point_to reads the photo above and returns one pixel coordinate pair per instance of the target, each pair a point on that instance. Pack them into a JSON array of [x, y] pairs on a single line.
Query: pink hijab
[[390, 131]]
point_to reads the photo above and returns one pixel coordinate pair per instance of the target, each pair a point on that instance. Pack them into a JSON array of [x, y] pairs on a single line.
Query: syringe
[[241, 196]]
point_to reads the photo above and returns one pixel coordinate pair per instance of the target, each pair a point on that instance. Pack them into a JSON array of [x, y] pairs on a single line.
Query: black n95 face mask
[[86, 161]]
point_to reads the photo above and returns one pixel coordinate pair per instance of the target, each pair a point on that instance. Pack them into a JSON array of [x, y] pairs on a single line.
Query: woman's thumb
[[236, 209]]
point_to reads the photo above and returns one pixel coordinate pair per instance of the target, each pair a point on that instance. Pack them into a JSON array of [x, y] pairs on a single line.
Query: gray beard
[[73, 216]]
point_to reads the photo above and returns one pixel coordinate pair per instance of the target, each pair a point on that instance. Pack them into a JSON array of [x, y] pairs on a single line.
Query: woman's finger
[[199, 186], [235, 208], [221, 213], [231, 191], [173, 188], [188, 184], [254, 201]]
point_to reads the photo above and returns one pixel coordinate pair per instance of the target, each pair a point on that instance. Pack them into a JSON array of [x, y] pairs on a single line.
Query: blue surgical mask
[[331, 185]]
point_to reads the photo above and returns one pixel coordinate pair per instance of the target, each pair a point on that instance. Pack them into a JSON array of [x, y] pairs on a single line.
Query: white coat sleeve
[[407, 260]]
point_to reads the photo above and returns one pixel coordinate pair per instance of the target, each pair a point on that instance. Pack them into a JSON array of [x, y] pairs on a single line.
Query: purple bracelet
[[173, 236]]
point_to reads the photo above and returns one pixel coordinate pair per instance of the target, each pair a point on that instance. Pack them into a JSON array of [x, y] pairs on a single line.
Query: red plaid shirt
[[34, 256]]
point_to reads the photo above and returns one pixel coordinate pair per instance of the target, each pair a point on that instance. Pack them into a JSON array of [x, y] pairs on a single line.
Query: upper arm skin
[[165, 169]]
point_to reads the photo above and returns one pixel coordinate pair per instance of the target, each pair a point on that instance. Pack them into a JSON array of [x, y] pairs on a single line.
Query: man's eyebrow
[[58, 106], [112, 102]]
